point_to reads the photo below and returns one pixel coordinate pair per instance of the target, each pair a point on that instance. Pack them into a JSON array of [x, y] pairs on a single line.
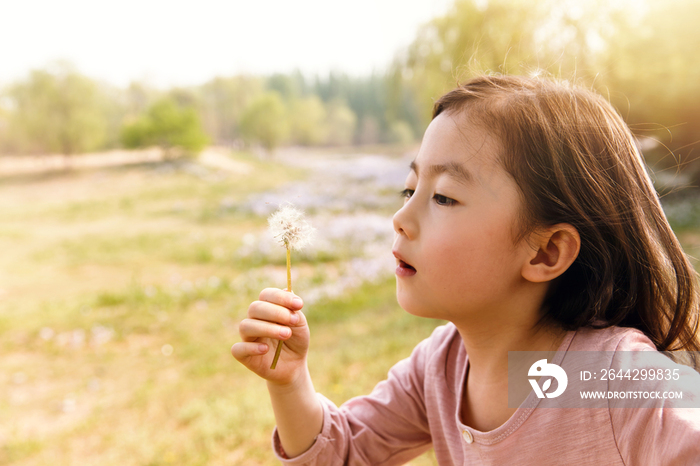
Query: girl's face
[[454, 242]]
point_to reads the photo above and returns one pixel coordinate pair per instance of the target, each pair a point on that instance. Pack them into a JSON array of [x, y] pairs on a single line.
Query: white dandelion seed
[[288, 226]]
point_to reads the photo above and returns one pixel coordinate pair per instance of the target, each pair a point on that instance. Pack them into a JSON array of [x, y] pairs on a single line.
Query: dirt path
[[213, 157]]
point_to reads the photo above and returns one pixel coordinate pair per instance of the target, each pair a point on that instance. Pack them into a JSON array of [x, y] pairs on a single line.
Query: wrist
[[298, 412], [300, 382]]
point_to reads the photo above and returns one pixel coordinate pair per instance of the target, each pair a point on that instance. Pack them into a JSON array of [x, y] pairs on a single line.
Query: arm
[[277, 316], [389, 426], [298, 413]]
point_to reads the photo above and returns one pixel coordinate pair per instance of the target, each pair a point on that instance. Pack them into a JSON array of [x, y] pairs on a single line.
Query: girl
[[530, 224]]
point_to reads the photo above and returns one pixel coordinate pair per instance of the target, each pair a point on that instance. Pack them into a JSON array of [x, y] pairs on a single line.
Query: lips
[[403, 268]]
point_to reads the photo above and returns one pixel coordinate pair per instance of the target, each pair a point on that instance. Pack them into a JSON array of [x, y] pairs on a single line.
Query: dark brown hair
[[575, 161]]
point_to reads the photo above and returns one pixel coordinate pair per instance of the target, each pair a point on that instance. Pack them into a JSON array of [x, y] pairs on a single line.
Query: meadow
[[121, 288]]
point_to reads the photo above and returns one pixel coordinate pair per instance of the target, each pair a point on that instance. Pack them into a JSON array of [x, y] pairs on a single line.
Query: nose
[[405, 222]]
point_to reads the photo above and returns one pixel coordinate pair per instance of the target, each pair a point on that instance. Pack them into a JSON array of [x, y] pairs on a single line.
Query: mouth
[[403, 268], [404, 265]]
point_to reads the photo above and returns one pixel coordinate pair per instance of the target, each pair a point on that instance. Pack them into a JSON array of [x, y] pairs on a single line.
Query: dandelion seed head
[[288, 226]]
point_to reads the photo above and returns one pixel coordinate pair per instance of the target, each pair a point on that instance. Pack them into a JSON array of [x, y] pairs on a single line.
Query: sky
[[171, 43]]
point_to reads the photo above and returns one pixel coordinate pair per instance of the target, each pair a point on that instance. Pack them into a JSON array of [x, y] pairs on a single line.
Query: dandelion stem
[[289, 288], [289, 270], [277, 354]]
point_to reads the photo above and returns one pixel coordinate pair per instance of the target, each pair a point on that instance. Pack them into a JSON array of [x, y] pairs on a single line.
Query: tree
[[653, 77], [400, 132], [223, 101], [563, 38], [640, 55], [369, 130], [56, 110], [309, 125], [265, 121], [138, 96], [167, 124], [288, 86], [365, 97], [5, 143], [341, 124], [495, 36]]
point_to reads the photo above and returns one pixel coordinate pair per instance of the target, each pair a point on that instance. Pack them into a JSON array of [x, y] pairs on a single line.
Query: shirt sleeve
[[666, 431], [387, 427], [664, 436]]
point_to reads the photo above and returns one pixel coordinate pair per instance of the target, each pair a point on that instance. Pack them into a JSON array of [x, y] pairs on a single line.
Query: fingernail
[[262, 348], [294, 318], [297, 302], [285, 332]]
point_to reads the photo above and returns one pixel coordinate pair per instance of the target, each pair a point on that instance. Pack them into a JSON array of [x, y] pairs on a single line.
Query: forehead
[[451, 138]]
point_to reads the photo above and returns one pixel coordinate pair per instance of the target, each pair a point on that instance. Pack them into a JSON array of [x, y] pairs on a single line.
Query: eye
[[443, 200], [407, 193]]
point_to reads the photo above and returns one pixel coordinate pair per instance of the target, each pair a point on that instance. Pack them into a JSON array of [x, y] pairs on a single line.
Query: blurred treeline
[[59, 110], [640, 54]]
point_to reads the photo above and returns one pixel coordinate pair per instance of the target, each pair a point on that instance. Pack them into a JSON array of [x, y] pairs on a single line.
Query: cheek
[[450, 260], [473, 252]]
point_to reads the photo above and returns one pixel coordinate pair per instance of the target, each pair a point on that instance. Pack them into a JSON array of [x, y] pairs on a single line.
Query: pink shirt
[[418, 407]]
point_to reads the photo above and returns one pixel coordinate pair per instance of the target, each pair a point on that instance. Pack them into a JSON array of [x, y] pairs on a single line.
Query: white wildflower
[[288, 226]]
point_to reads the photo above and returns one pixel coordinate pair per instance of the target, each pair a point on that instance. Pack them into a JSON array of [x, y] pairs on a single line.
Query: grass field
[[120, 293]]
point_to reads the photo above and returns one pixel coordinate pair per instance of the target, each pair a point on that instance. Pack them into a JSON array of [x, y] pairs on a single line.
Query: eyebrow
[[453, 169]]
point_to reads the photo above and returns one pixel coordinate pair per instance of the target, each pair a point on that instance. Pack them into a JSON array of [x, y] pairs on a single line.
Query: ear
[[555, 249]]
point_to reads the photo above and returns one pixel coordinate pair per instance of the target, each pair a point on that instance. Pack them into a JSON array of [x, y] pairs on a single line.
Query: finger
[[245, 350], [252, 329], [283, 298], [263, 310]]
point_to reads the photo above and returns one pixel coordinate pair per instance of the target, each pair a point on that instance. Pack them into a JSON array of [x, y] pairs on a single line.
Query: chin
[[421, 307], [411, 306]]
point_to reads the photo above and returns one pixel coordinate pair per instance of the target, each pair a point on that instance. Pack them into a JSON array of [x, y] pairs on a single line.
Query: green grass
[[121, 294]]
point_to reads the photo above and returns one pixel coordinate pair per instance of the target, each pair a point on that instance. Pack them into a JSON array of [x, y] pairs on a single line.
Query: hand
[[275, 316]]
